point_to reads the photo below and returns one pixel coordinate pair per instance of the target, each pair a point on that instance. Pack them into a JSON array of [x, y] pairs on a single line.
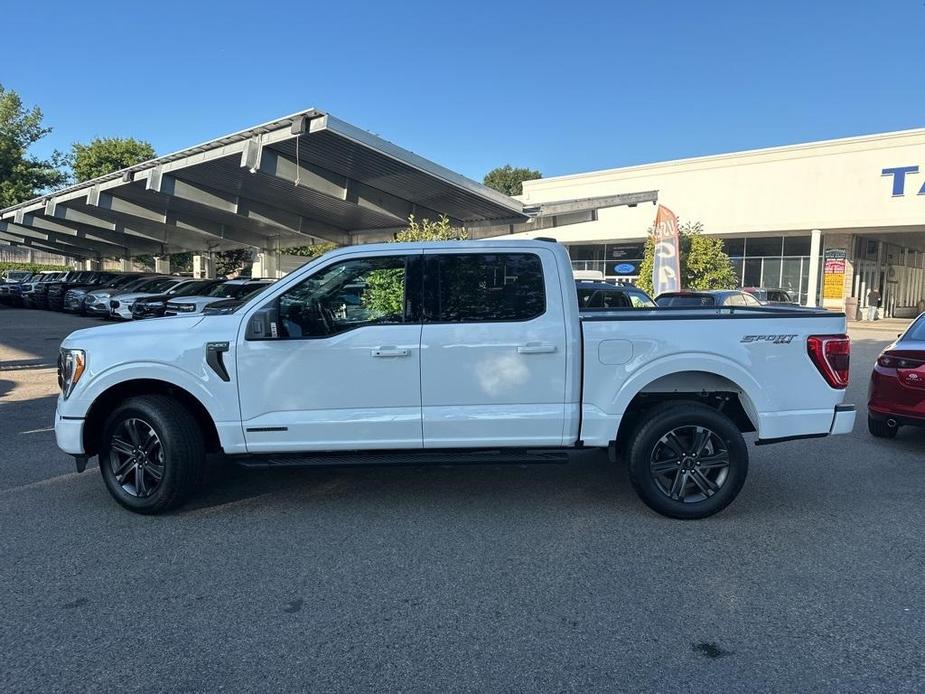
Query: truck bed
[[758, 354]]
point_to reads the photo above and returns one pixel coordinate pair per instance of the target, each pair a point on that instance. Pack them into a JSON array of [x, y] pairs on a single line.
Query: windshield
[[190, 288], [234, 291], [158, 284], [135, 285], [121, 281], [254, 289], [686, 300]]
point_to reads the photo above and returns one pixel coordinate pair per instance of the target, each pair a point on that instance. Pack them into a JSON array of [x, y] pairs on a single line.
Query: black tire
[[700, 438], [879, 428], [177, 456]]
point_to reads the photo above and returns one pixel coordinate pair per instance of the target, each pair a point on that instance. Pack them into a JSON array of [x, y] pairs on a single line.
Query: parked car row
[[123, 295], [749, 296]]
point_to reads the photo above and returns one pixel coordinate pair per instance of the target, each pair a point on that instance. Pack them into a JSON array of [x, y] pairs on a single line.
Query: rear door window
[[484, 287]]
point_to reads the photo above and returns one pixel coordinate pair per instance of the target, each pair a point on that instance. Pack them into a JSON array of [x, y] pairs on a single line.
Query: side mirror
[[263, 325]]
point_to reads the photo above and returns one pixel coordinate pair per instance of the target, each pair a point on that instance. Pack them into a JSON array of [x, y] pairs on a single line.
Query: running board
[[402, 457]]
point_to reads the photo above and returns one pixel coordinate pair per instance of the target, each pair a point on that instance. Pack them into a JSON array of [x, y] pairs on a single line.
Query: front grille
[[60, 373]]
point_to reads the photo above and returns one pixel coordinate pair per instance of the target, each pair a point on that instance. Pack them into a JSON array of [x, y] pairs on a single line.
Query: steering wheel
[[325, 316]]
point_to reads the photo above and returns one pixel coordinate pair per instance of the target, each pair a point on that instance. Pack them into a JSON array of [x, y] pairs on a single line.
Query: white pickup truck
[[449, 352]]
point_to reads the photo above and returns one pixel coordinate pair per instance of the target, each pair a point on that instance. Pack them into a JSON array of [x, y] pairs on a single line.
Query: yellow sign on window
[[833, 286]]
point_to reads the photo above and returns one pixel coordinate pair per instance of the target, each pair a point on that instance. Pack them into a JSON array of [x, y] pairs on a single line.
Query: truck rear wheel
[[152, 454], [687, 460]]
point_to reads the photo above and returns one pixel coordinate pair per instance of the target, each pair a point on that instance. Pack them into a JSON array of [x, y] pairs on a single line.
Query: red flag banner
[[666, 268]]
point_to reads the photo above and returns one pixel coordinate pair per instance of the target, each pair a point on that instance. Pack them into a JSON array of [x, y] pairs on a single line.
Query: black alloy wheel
[[689, 463], [152, 453], [687, 460], [136, 457]]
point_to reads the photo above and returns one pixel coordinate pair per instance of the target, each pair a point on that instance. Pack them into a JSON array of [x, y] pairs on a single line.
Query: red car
[[897, 386]]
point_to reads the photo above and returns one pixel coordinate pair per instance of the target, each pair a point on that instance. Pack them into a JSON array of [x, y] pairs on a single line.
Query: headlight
[[71, 365], [184, 308]]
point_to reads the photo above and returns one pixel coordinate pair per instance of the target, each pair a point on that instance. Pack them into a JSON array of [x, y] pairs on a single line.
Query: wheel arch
[[110, 398], [708, 387]]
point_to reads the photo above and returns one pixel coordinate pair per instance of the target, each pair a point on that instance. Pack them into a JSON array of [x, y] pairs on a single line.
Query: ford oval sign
[[624, 269]]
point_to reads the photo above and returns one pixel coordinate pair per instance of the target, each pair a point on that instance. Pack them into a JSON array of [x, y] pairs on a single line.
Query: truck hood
[[149, 330]]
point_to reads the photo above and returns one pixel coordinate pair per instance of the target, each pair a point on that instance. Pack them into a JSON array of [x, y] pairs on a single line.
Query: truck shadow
[[588, 477]]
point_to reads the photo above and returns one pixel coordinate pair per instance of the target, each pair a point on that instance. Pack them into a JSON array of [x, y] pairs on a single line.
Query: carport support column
[[91, 264], [202, 265], [812, 287], [127, 264], [266, 264], [162, 264]]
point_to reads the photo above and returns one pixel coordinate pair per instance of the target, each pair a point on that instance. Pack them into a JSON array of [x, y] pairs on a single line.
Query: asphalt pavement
[[470, 579]]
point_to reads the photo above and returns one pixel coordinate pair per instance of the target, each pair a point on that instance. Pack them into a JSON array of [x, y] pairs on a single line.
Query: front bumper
[[123, 312], [69, 434]]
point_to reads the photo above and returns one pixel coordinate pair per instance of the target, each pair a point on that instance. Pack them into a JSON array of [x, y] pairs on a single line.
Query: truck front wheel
[[687, 460], [152, 454]]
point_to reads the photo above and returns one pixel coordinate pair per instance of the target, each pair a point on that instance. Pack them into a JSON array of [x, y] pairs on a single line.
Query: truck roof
[[432, 245]]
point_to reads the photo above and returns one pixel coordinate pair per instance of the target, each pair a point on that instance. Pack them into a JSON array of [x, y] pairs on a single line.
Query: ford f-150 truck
[[449, 352]]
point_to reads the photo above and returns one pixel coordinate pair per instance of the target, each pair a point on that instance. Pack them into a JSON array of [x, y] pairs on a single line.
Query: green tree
[[430, 230], [105, 155], [704, 263], [181, 262], [23, 176], [235, 260], [508, 180], [384, 294], [313, 250]]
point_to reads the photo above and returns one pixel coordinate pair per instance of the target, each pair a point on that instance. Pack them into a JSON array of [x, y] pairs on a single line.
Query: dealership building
[[825, 220]]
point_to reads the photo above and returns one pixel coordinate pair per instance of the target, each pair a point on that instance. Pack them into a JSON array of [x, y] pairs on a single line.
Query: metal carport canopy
[[285, 183]]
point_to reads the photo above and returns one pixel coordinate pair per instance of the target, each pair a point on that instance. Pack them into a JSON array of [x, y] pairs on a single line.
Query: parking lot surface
[[477, 578]]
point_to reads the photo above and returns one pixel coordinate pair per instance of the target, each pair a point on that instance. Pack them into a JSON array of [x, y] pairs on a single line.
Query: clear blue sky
[[563, 87]]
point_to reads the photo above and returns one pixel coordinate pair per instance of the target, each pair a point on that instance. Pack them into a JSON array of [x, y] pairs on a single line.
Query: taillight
[[890, 360], [831, 355]]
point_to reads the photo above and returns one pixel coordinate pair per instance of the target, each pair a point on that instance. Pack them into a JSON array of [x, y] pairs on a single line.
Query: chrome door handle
[[389, 352], [535, 348]]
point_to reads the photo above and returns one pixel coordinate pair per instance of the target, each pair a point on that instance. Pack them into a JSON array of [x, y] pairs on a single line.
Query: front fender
[[207, 388]]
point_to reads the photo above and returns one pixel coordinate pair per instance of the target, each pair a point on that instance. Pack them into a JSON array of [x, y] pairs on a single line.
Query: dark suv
[[35, 293], [74, 297], [154, 306], [11, 289], [79, 280]]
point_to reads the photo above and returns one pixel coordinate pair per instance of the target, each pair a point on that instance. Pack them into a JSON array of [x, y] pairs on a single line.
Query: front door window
[[345, 296]]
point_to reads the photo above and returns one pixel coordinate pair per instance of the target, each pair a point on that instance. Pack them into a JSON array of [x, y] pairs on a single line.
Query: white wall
[[831, 185]]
